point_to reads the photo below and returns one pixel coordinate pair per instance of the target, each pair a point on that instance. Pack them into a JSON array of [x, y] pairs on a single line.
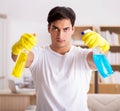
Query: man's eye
[[55, 29], [66, 29]]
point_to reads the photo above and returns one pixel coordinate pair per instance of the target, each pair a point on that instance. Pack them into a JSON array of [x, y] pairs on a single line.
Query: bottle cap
[[85, 31]]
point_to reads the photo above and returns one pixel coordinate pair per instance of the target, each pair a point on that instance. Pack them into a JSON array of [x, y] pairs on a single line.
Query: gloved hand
[[93, 39], [26, 41]]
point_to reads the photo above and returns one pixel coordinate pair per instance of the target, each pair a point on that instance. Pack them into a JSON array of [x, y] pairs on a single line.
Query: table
[[16, 101]]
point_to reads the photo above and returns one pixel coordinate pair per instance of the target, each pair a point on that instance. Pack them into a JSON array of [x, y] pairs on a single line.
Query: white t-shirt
[[61, 81]]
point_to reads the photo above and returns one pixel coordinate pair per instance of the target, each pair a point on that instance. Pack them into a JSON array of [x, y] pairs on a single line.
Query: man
[[61, 71]]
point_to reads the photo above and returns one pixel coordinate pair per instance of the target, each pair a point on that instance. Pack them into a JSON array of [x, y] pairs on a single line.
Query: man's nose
[[61, 32]]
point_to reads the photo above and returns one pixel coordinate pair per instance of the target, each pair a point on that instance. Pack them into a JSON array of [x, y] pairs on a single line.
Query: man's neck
[[62, 50]]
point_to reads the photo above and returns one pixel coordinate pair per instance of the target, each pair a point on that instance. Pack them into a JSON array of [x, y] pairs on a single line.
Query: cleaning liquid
[[102, 64], [20, 64]]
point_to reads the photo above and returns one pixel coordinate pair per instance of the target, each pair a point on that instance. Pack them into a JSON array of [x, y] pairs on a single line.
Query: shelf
[[92, 89], [109, 88], [115, 48], [111, 33], [111, 29], [116, 67], [97, 87], [78, 30]]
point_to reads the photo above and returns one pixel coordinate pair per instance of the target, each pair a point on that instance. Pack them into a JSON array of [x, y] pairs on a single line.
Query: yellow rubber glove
[[93, 39], [22, 48], [26, 41]]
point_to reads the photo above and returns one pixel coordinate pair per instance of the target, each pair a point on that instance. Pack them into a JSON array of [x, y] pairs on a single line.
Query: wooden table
[[16, 102]]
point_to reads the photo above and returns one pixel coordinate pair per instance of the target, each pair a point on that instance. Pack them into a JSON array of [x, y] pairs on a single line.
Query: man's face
[[61, 32]]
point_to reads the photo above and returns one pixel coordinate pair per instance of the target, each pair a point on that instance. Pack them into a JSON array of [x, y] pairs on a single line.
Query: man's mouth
[[60, 40]]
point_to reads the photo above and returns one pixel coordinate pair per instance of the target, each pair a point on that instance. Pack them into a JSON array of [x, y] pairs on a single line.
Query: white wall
[[88, 12], [30, 16], [3, 52]]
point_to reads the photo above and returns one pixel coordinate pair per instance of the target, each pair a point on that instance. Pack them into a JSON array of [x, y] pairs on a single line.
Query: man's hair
[[59, 13]]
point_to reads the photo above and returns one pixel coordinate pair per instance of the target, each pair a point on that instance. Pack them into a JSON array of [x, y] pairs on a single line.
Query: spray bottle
[[20, 63], [102, 64], [22, 59]]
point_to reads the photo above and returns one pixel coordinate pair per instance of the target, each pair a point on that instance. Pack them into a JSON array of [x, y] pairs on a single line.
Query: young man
[[61, 71]]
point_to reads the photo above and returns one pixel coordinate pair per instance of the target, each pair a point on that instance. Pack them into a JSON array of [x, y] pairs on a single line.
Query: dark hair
[[58, 13]]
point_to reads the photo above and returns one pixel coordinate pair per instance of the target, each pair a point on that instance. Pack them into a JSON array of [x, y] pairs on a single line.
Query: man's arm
[[93, 39], [90, 60]]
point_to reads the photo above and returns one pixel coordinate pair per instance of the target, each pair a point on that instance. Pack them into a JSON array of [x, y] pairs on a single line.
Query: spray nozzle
[[85, 31]]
